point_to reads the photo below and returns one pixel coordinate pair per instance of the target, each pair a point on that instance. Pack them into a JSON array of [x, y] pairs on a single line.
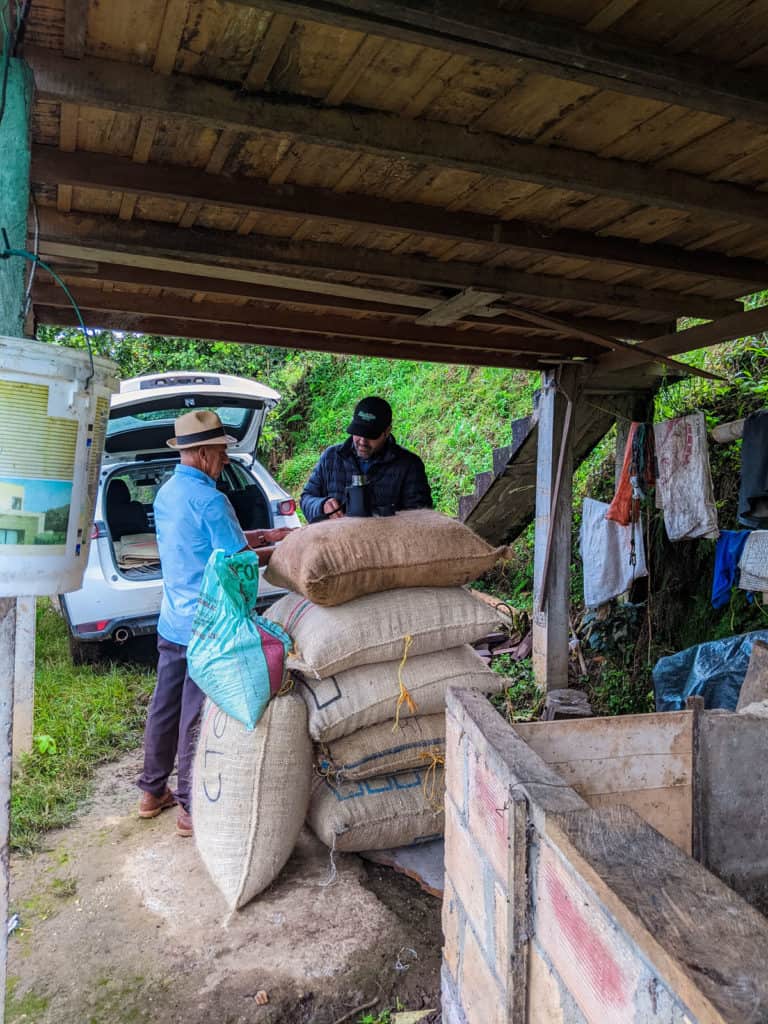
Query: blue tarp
[[714, 671]]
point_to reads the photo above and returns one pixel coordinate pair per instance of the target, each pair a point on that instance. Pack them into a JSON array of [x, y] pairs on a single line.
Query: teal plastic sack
[[235, 656]]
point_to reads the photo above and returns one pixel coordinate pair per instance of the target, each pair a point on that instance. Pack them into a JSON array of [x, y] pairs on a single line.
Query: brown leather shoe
[[183, 823], [150, 805]]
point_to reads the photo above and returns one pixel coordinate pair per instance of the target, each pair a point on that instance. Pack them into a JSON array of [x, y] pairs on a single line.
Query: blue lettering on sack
[[215, 753], [387, 784]]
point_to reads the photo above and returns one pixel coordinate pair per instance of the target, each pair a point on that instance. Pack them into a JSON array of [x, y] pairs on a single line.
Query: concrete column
[[7, 658], [552, 553], [24, 677], [14, 194], [14, 203]]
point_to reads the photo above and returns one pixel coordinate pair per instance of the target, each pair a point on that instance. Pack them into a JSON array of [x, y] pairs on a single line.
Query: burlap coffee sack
[[339, 559], [375, 627]]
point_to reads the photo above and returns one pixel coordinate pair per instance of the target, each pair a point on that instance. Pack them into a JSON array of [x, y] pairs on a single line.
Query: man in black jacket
[[395, 476]]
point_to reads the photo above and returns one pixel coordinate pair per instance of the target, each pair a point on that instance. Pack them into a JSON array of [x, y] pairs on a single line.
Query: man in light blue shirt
[[192, 518]]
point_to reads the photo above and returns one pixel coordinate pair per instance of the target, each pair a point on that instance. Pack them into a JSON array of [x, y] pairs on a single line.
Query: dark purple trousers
[[172, 724]]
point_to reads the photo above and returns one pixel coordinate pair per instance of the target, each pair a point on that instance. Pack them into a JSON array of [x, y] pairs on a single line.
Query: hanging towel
[[683, 478], [753, 564], [607, 551], [753, 489], [637, 475], [730, 545]]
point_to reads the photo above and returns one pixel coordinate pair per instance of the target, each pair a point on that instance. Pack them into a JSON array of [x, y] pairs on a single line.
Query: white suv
[[121, 591]]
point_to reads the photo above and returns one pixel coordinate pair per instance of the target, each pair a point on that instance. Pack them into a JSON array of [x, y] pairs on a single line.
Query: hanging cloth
[[683, 478], [636, 477], [730, 545], [613, 555], [753, 488], [753, 564]]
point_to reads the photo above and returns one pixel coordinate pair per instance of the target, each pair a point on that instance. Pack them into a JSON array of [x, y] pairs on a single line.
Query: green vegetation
[[28, 1007], [453, 416], [82, 718], [522, 700]]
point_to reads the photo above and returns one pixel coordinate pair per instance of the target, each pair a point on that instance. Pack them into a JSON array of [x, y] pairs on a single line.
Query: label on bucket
[[37, 460]]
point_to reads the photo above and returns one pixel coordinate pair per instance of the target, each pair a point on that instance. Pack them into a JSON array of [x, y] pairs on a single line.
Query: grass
[[22, 1008], [83, 717]]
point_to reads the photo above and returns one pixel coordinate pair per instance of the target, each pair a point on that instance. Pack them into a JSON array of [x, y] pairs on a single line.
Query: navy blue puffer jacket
[[395, 475]]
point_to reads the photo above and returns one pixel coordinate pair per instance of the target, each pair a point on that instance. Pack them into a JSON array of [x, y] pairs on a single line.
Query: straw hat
[[200, 427]]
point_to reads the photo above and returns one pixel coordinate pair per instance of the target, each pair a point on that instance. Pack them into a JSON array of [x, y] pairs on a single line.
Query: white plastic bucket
[[52, 426]]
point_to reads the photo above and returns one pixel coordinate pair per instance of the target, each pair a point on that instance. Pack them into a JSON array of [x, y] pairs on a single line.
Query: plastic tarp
[[714, 671]]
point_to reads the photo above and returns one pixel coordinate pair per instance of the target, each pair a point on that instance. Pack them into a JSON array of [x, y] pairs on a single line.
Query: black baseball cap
[[371, 418]]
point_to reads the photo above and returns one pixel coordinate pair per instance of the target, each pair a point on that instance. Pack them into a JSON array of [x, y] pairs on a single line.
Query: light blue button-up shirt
[[192, 518]]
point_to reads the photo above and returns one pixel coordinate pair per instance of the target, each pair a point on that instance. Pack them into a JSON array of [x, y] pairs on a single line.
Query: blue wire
[[33, 258]]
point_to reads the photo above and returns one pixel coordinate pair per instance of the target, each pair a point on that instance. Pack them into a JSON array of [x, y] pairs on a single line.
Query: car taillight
[[286, 508], [92, 627]]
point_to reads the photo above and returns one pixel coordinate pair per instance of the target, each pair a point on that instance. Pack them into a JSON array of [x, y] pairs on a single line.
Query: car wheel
[[84, 654]]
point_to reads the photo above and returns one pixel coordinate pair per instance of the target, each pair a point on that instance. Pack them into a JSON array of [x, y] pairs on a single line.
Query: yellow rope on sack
[[403, 697], [430, 778], [288, 684]]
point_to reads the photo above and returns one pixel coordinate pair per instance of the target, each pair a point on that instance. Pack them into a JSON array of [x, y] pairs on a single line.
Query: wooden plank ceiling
[[514, 185]]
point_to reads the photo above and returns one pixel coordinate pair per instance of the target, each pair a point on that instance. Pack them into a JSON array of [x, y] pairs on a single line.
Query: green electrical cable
[[33, 258]]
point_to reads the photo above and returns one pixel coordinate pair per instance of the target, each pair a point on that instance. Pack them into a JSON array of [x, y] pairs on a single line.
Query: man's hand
[[332, 509], [265, 538]]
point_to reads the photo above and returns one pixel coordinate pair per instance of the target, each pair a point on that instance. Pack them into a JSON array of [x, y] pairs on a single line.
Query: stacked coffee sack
[[381, 627]]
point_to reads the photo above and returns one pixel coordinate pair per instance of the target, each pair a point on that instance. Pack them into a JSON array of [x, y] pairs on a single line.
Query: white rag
[[606, 549], [753, 564], [683, 480]]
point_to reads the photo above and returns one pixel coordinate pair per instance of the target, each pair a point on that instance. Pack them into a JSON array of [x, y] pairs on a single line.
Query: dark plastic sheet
[[714, 671]]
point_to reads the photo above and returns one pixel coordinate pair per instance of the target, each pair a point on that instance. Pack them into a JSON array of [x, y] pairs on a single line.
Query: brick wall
[[552, 911]]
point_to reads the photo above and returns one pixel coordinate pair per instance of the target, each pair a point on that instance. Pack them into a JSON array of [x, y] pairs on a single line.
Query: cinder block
[[452, 930], [466, 870], [451, 1011], [501, 932], [482, 998], [455, 763], [489, 813], [544, 994], [592, 957]]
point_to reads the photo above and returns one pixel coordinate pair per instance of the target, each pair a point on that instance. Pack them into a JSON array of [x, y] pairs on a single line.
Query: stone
[[566, 703]]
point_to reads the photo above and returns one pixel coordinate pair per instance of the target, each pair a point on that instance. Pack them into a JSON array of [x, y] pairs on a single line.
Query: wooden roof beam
[[53, 167], [75, 24], [103, 238], [133, 88], [209, 331], [386, 304], [548, 46], [729, 328], [95, 300]]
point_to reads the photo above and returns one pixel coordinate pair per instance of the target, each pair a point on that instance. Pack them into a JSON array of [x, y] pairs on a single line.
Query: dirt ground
[[120, 924]]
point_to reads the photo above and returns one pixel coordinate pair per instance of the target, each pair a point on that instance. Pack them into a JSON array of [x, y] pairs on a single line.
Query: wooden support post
[[24, 677], [622, 436], [552, 555], [7, 658], [698, 852]]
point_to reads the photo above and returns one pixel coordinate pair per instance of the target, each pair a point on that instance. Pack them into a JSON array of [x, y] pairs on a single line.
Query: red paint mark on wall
[[605, 975], [490, 796]]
